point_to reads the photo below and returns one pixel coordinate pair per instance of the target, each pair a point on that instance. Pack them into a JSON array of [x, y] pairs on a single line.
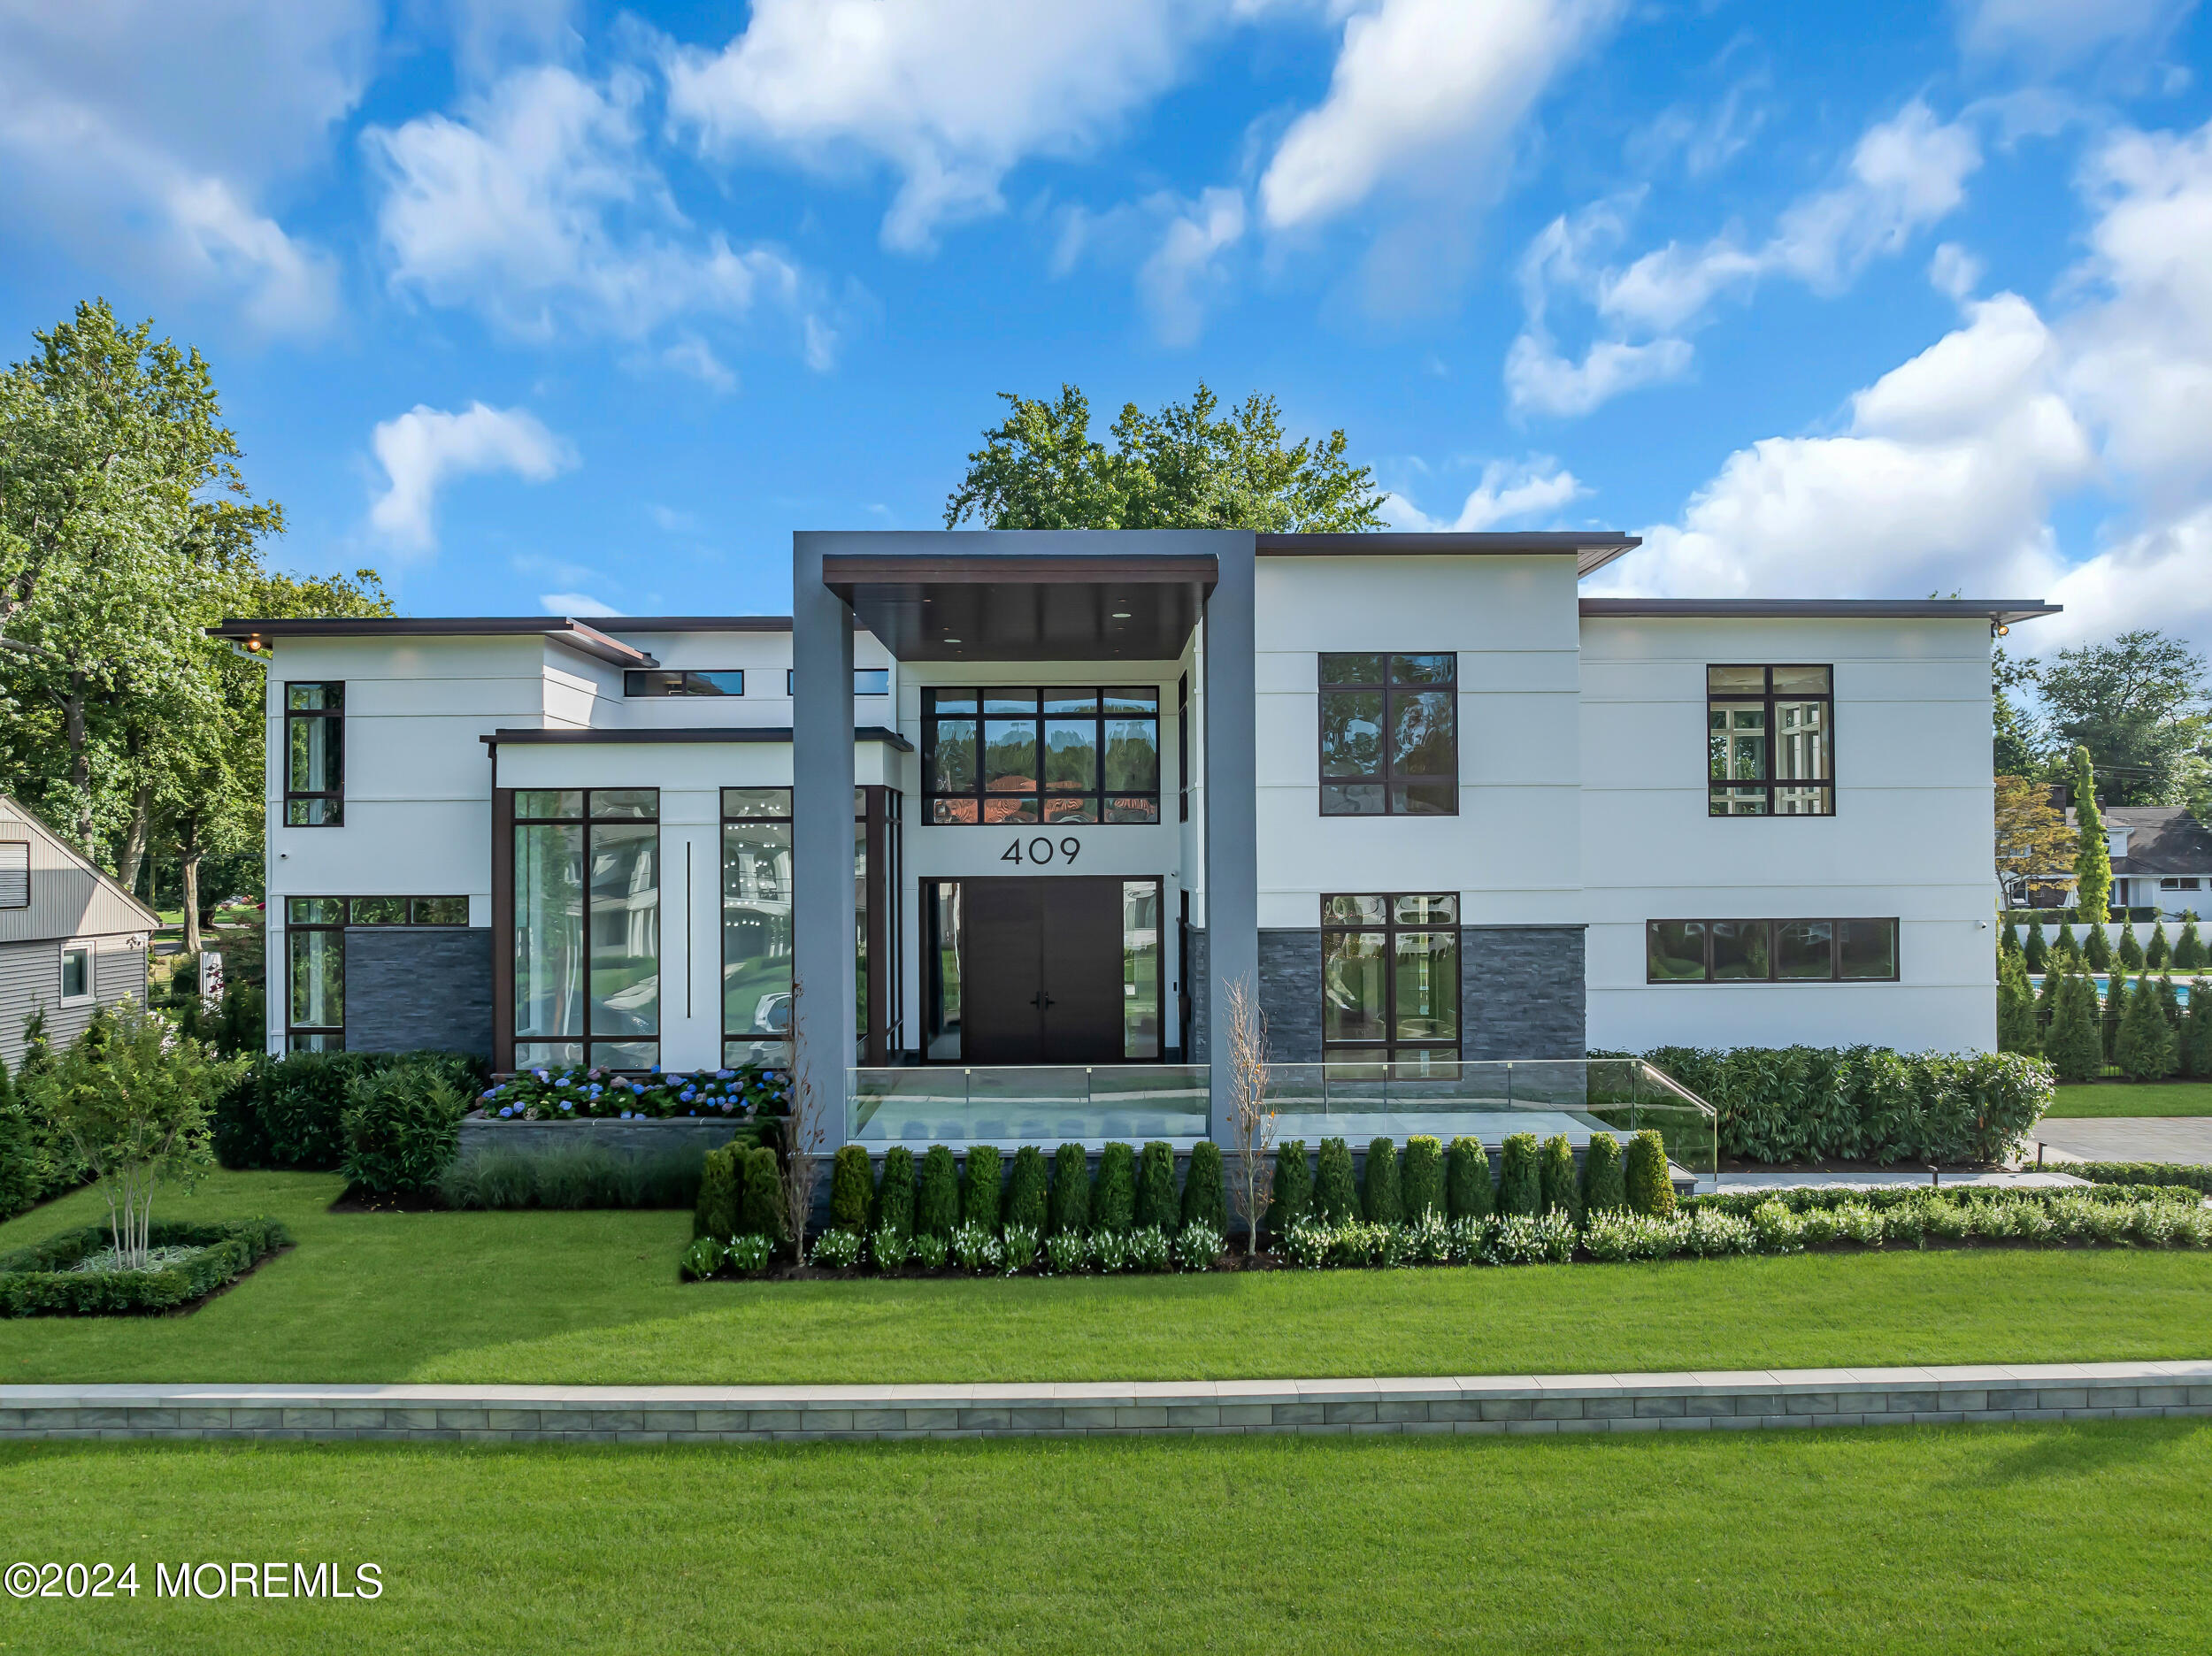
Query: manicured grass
[[2073, 1538], [593, 1297], [2132, 1098]]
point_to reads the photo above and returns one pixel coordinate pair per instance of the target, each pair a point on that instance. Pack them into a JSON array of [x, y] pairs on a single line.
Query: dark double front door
[[1042, 977]]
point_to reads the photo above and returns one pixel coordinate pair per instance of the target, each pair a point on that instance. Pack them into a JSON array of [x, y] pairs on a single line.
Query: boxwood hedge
[[37, 1281]]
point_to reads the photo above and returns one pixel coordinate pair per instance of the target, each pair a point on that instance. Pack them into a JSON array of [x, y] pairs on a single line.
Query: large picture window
[[1390, 981], [1389, 735], [1771, 741], [314, 754], [1770, 951], [1002, 756], [755, 925], [586, 940]]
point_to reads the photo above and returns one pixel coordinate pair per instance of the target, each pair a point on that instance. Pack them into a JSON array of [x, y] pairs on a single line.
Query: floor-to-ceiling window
[[586, 927], [1390, 981]]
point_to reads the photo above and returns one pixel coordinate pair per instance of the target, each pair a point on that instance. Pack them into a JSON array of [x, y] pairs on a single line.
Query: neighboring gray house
[[71, 939], [2161, 857]]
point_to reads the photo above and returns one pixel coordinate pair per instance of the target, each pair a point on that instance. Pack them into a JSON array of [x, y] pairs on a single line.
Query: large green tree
[[2018, 744], [2136, 704], [1192, 465]]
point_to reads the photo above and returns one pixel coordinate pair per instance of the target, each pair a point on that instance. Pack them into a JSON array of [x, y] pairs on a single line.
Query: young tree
[[2034, 845], [1192, 465], [807, 1132], [2135, 705], [2143, 1046], [132, 1098], [1251, 1112], [2092, 858]]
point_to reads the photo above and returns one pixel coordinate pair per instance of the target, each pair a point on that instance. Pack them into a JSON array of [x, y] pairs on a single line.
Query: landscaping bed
[[68, 1275]]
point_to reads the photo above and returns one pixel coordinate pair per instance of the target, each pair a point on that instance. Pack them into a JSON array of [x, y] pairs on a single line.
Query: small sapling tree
[[1251, 1112]]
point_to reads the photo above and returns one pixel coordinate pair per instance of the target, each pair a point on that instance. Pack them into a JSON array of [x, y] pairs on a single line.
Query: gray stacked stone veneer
[[1522, 993], [418, 988], [1199, 999], [1290, 994], [480, 1132], [1509, 1403]]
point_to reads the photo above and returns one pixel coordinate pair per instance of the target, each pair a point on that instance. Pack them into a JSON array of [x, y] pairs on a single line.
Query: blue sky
[[546, 304]]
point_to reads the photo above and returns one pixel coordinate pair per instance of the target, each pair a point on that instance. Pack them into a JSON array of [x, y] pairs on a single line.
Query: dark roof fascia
[[563, 630], [771, 734], [842, 571], [2003, 611], [696, 624], [1592, 549]]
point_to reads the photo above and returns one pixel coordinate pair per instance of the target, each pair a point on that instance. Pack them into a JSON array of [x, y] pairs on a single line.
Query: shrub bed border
[[36, 1281]]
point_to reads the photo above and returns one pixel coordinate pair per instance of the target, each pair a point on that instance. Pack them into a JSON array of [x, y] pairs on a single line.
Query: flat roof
[[581, 636], [531, 736], [1592, 549], [2002, 611]]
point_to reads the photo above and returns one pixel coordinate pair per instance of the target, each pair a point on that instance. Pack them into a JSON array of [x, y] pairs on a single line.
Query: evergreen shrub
[[2074, 1043], [1293, 1198], [1205, 1192], [760, 1202], [1335, 1191], [1155, 1187], [2037, 953], [1604, 1184], [2016, 1007], [1379, 1199], [852, 1185], [1070, 1190], [2197, 1038], [2008, 941], [1559, 1187], [1467, 1188], [1650, 1190], [2130, 952], [937, 1207], [2096, 948], [980, 1190], [2143, 1046], [1114, 1196], [1520, 1182], [1421, 1179], [1028, 1191], [2188, 947], [2158, 954], [401, 1129], [894, 1193], [716, 1215]]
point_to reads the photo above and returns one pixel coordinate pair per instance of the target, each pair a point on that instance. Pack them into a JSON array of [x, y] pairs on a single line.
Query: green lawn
[[2074, 1538], [592, 1298], [2133, 1098]]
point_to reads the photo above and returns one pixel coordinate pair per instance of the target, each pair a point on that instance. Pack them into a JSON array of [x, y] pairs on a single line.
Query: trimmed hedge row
[[37, 1281], [2187, 1175], [1861, 1103], [287, 1112]]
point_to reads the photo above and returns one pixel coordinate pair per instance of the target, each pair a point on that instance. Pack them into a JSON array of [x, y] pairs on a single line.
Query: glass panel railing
[[1021, 1104]]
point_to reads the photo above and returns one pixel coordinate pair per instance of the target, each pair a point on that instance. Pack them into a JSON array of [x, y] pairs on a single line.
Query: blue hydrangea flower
[[506, 1109], [723, 1075], [626, 1114], [566, 1105], [656, 1069]]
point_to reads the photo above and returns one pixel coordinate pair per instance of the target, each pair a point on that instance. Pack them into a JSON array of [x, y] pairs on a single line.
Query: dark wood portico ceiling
[[1117, 606]]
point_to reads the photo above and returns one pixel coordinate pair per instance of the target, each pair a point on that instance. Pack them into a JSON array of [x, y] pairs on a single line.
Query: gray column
[[821, 831], [1232, 882]]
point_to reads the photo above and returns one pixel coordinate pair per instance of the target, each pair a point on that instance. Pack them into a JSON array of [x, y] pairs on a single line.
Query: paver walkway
[[2130, 1137]]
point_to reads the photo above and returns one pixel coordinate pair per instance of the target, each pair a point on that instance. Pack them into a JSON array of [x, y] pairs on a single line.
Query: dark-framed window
[[1182, 748], [1390, 980], [315, 956], [687, 681], [15, 873], [866, 681], [1770, 951], [314, 754], [1008, 754], [1389, 735], [586, 936], [1771, 741]]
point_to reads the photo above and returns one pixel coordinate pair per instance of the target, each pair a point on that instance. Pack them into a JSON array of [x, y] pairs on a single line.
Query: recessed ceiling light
[[1121, 615], [952, 640]]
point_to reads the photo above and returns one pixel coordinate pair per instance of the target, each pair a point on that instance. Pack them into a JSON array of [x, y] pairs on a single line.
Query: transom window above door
[[1002, 755], [1389, 735], [1771, 741]]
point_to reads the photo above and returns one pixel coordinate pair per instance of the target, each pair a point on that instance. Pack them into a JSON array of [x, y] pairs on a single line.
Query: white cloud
[[2054, 32], [1535, 487], [693, 355], [150, 136], [1425, 93], [948, 93], [575, 604], [1955, 272], [539, 208], [1174, 282], [426, 447], [1904, 174]]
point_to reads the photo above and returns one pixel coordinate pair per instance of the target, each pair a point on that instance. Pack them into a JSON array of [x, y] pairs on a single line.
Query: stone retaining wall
[[658, 1414]]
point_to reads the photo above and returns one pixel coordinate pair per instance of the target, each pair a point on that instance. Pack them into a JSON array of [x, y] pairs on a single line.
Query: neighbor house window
[[866, 681], [588, 939], [1389, 736], [15, 874], [77, 982], [315, 956], [1770, 951], [687, 682], [1771, 741], [314, 754], [1390, 980], [2186, 882], [1001, 755]]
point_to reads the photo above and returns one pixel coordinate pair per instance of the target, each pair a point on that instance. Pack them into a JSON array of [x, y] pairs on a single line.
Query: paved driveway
[[2131, 1138]]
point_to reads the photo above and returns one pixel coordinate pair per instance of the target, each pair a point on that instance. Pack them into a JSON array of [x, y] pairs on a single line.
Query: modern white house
[[71, 940], [999, 800]]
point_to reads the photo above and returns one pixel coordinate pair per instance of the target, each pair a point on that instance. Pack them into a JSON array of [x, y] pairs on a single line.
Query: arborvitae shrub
[[761, 1206], [2037, 953], [852, 1182], [1520, 1184], [937, 1212], [895, 1193], [1070, 1190], [1380, 1198], [2197, 1040], [980, 1190], [1421, 1178], [1293, 1198], [1028, 1191], [2158, 954], [2046, 997], [2008, 941], [2073, 1044], [1650, 1191], [2130, 952], [2114, 1010], [1335, 1191], [1156, 1206], [716, 1215], [1604, 1180], [2188, 947], [2016, 1007], [1114, 1198], [1559, 1187], [1467, 1188], [2064, 942], [1205, 1194], [2145, 1045], [2096, 948], [2170, 1003]]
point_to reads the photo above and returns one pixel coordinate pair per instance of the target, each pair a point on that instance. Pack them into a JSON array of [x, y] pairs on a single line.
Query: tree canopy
[[1192, 465], [2137, 705], [2034, 845]]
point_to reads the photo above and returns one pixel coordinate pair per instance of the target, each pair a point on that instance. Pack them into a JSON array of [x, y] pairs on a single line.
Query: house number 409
[[1042, 850]]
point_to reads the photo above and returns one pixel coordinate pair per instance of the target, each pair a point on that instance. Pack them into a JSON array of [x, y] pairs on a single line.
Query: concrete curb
[[1741, 1400]]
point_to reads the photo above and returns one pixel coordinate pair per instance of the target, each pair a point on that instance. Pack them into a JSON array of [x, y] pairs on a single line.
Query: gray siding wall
[[30, 978], [409, 988], [1290, 994], [68, 898], [1522, 993]]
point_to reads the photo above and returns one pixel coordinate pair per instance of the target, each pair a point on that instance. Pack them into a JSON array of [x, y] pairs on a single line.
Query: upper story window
[[15, 874], [866, 681], [1058, 755], [1389, 735], [1771, 741], [314, 754], [686, 682]]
